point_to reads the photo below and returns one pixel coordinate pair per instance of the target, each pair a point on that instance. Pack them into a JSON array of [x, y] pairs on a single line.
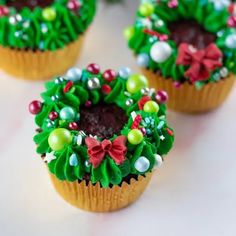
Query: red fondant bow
[[201, 62], [97, 150]]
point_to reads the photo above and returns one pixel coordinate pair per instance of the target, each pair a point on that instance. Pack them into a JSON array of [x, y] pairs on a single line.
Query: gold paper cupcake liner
[[97, 199], [188, 98], [39, 65]]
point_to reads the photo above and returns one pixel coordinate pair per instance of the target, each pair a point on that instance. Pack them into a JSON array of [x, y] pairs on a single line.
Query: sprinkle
[[79, 140], [162, 138], [106, 89], [127, 94], [147, 120], [142, 102], [161, 124], [170, 132], [87, 163], [73, 160], [143, 130], [88, 103], [177, 84], [151, 92], [82, 133], [148, 131], [162, 117], [133, 115], [156, 34], [68, 87], [136, 122], [49, 157]]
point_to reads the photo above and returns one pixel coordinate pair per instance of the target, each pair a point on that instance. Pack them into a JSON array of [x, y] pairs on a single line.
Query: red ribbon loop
[[201, 62], [97, 150]]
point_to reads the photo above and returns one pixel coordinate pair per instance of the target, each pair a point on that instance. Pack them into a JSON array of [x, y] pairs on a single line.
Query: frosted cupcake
[[41, 39], [101, 135], [187, 48]]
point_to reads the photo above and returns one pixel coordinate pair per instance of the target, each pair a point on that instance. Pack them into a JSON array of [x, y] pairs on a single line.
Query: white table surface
[[193, 194]]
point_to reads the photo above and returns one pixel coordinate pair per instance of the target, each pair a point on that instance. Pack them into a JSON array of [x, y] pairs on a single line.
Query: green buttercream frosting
[[49, 28], [156, 16], [72, 161]]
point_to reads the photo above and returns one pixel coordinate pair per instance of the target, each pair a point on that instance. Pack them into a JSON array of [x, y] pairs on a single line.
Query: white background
[[193, 194]]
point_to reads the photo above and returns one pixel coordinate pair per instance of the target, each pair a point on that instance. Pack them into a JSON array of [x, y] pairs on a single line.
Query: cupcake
[[40, 39], [101, 134], [187, 48]]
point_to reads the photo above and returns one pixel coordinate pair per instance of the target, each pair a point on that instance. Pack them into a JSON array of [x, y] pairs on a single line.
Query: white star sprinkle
[[49, 157], [162, 137]]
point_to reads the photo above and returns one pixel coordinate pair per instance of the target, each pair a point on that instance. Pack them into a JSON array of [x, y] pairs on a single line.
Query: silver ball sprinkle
[[50, 124], [54, 98], [93, 83], [59, 80], [224, 72], [87, 163], [129, 102], [142, 164], [145, 91], [15, 19]]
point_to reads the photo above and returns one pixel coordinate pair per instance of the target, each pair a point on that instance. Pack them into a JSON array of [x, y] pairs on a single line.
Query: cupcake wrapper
[[187, 98], [39, 65], [97, 199]]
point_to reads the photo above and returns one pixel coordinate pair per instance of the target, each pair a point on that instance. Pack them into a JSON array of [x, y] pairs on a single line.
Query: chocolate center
[[19, 4], [102, 120], [187, 31]]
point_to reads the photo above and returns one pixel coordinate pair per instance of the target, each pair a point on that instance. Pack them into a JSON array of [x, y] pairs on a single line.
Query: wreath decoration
[[151, 39], [44, 25], [78, 144]]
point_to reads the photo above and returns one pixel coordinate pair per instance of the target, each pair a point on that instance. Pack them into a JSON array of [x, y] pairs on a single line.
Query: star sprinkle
[[49, 157]]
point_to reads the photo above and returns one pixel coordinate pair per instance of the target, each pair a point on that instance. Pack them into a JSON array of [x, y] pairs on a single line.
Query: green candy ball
[[128, 33], [135, 136], [146, 9], [135, 83], [151, 107], [49, 14], [59, 138]]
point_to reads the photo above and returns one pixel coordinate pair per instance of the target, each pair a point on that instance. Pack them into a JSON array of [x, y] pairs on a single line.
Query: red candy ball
[[109, 75], [231, 8], [106, 89], [73, 5], [88, 103], [73, 126], [93, 68], [143, 130], [53, 115], [35, 107], [161, 96], [3, 11]]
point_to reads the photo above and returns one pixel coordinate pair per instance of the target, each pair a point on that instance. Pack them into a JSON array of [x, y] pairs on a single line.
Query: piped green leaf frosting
[[72, 161], [155, 16], [31, 29]]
